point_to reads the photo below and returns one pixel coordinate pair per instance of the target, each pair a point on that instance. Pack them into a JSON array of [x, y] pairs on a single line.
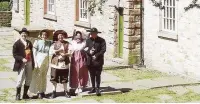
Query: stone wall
[[132, 29], [5, 18]]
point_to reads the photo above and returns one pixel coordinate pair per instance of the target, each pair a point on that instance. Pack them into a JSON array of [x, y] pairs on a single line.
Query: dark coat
[[19, 54], [99, 45]]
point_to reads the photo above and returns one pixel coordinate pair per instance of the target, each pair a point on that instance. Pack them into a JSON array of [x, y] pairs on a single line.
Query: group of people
[[69, 62]]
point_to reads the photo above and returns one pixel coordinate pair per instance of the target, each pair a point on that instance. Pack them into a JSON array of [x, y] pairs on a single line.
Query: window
[[50, 10], [51, 7], [169, 16], [16, 5], [82, 17], [83, 10]]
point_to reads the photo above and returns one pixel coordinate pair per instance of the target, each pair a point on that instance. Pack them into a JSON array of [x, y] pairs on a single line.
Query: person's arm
[[16, 53], [33, 58], [103, 49]]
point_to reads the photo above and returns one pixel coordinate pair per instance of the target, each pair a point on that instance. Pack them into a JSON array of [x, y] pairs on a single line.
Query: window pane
[[174, 13], [170, 12], [174, 25], [174, 3], [170, 24], [164, 23]]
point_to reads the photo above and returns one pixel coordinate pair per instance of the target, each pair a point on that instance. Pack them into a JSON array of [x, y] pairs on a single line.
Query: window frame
[[81, 22], [53, 7], [83, 6], [167, 33]]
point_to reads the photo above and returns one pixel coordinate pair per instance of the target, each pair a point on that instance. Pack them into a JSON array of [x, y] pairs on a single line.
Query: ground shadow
[[117, 67]]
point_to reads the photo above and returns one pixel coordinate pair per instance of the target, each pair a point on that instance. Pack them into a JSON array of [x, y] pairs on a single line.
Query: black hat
[[24, 30], [93, 30]]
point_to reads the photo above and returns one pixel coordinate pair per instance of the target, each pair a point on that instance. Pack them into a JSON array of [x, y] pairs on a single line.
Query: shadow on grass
[[117, 67]]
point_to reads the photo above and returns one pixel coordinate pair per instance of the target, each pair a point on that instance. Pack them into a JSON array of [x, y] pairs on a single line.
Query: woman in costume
[[60, 62], [41, 49], [78, 69]]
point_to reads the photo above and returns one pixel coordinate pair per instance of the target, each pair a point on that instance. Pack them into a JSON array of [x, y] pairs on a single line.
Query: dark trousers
[[95, 74]]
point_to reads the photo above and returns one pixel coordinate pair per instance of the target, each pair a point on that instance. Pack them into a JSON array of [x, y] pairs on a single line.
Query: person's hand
[[62, 54], [91, 52], [24, 60], [94, 57]]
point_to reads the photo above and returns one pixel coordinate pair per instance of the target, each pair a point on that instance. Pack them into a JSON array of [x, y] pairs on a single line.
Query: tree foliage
[[159, 3], [96, 5]]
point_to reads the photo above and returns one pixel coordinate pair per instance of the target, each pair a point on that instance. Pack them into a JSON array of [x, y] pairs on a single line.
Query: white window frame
[[51, 9], [83, 6], [168, 17]]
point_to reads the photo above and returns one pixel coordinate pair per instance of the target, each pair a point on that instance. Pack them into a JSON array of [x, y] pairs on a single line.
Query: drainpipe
[[142, 34]]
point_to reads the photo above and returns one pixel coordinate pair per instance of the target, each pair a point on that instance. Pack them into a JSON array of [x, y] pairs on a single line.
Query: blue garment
[[40, 51]]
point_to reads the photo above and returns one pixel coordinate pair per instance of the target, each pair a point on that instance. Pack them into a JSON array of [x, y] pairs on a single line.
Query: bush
[[4, 6]]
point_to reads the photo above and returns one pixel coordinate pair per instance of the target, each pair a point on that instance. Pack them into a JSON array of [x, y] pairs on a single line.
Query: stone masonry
[[5, 18], [132, 28]]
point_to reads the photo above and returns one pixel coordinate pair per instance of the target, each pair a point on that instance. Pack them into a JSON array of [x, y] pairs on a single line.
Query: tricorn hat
[[93, 30], [24, 30], [56, 33]]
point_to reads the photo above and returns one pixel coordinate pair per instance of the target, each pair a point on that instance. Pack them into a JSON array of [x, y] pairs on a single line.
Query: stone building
[[171, 36], [120, 22]]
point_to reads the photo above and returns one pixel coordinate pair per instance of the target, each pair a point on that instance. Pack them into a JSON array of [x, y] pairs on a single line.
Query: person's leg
[[20, 79], [43, 84], [92, 76], [66, 90], [64, 80], [98, 80], [54, 81], [28, 78]]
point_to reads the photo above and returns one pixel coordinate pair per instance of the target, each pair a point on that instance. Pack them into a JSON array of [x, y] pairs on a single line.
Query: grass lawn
[[4, 6], [147, 96], [2, 66], [130, 74]]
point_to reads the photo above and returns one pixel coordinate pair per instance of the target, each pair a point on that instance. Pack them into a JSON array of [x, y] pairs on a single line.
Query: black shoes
[[53, 95], [98, 92], [41, 95], [18, 93], [92, 91], [67, 94]]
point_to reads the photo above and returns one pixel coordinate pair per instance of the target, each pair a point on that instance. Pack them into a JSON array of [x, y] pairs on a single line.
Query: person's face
[[60, 37], [93, 35], [78, 36], [24, 35], [44, 35]]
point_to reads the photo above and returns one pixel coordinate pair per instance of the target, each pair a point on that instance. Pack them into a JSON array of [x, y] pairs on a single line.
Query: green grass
[[2, 62], [4, 6], [140, 96], [130, 74]]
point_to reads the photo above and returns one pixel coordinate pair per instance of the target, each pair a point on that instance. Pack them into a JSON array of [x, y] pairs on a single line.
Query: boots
[[25, 95], [67, 95], [98, 92], [18, 93], [53, 95]]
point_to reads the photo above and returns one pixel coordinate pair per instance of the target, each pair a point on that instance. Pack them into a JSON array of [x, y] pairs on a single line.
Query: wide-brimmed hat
[[24, 30], [93, 30], [56, 33], [44, 30]]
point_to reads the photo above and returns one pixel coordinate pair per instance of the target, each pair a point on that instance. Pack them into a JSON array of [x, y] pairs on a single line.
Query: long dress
[[78, 70], [41, 55]]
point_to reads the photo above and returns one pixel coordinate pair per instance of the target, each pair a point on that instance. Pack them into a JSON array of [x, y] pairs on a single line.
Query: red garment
[[28, 54], [78, 70]]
